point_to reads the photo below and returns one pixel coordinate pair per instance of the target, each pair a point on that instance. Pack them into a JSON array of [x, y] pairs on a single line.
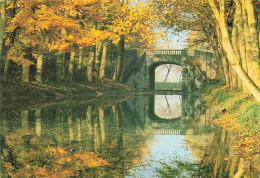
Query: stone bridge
[[140, 73]]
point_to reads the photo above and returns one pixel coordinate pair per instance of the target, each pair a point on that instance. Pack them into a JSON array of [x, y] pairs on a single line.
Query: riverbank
[[239, 114], [16, 95]]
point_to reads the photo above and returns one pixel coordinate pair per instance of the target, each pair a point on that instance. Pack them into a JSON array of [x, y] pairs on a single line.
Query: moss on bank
[[16, 95], [240, 115]]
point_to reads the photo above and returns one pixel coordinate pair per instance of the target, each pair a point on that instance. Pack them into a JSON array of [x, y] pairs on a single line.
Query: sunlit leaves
[[134, 23]]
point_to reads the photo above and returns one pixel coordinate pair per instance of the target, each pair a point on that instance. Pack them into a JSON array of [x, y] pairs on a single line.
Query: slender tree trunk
[[234, 79], [120, 60], [72, 65], [226, 71], [103, 62], [90, 64], [25, 73], [97, 60], [39, 65], [6, 70], [59, 68], [2, 26], [235, 47], [220, 17], [219, 49], [25, 119], [79, 63]]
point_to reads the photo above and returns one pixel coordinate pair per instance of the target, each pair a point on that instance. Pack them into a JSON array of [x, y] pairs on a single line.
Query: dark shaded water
[[146, 136]]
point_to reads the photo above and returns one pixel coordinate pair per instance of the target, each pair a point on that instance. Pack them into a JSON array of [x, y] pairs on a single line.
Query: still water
[[145, 136]]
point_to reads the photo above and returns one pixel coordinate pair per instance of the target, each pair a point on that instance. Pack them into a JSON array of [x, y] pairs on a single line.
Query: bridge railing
[[165, 51]]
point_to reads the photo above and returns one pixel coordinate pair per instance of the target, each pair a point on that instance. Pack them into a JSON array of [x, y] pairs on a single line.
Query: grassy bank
[[16, 95], [239, 114]]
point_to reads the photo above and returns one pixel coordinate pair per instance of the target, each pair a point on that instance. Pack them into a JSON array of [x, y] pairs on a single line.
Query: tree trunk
[[25, 119], [242, 44], [6, 70], [25, 73], [120, 60], [72, 65], [38, 76], [226, 70], [103, 62], [243, 166], [79, 62], [218, 57], [59, 68], [97, 60], [254, 41], [2, 26], [90, 63], [234, 79], [249, 56], [220, 17]]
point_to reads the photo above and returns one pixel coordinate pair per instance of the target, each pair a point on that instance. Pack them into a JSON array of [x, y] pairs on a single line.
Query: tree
[[2, 25], [227, 46]]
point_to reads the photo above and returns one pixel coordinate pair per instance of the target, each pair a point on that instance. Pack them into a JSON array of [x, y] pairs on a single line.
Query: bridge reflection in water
[[170, 132]]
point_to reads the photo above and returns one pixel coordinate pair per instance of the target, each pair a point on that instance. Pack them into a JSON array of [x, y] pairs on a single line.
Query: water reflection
[[89, 140], [168, 106]]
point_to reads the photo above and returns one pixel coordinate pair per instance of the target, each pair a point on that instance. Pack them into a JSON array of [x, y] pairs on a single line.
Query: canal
[[145, 136]]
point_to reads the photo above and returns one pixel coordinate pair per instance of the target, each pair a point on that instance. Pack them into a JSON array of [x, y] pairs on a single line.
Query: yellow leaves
[[17, 54], [83, 3]]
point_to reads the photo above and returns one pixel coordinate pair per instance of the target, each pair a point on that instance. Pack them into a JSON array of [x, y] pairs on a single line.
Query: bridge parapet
[[164, 52]]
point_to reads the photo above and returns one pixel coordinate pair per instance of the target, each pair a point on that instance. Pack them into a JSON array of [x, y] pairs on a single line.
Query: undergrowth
[[207, 89], [250, 118], [221, 95]]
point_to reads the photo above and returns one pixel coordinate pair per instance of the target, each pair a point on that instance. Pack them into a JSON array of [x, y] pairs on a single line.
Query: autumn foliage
[[36, 30]]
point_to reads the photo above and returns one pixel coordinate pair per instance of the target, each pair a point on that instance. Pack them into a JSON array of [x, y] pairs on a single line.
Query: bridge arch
[[140, 72], [152, 69]]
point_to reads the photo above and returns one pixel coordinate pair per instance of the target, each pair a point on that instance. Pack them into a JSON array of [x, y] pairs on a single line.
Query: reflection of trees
[[223, 160], [72, 132], [25, 157], [218, 160]]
